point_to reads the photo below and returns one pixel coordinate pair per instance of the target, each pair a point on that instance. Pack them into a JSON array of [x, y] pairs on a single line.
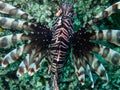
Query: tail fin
[[54, 83]]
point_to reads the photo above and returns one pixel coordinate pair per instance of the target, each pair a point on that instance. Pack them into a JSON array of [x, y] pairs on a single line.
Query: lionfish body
[[56, 44], [60, 44]]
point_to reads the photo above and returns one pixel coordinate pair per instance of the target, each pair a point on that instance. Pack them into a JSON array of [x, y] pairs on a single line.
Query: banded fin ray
[[98, 67], [79, 69], [88, 70], [110, 55], [14, 55], [90, 75], [85, 63], [107, 12], [112, 36], [34, 66], [10, 23], [7, 41], [23, 67], [9, 9]]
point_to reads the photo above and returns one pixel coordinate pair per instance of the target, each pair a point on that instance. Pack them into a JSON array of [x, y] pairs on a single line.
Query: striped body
[[60, 44], [59, 48]]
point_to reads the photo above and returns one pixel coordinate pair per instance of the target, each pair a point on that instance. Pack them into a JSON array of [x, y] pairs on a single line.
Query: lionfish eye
[[59, 11]]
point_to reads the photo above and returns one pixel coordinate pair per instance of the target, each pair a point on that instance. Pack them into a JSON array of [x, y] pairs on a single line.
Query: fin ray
[[7, 41], [10, 23], [112, 36], [110, 55], [14, 55], [97, 67], [107, 12], [9, 9]]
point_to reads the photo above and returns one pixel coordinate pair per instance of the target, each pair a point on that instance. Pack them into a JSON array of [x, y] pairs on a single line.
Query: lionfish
[[55, 44]]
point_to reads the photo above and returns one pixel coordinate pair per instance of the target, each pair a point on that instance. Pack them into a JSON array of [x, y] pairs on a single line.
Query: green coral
[[44, 11]]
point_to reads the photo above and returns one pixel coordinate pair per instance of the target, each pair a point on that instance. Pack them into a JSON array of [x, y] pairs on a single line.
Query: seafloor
[[44, 11]]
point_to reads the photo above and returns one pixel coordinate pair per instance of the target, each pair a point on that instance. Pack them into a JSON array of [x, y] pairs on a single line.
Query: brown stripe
[[96, 48], [2, 6], [96, 65], [118, 36], [24, 16], [95, 20], [14, 25], [5, 61], [93, 37], [115, 59], [25, 26], [82, 80], [14, 56], [21, 70], [100, 35], [106, 81], [32, 20], [102, 72], [37, 66], [25, 37], [3, 21], [14, 38], [4, 42], [31, 70], [105, 52], [80, 73], [104, 14], [115, 7], [13, 11], [109, 35]]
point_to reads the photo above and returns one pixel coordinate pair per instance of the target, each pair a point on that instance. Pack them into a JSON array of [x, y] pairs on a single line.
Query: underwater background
[[44, 11]]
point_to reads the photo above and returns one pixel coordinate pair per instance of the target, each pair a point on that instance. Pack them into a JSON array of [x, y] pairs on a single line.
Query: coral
[[44, 11]]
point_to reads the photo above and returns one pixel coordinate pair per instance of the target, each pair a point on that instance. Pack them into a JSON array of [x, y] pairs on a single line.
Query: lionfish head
[[66, 9]]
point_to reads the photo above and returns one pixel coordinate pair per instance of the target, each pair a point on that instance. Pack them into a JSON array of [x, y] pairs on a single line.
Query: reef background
[[44, 11]]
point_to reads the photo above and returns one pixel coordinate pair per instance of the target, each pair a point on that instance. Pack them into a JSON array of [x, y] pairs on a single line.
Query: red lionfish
[[56, 43]]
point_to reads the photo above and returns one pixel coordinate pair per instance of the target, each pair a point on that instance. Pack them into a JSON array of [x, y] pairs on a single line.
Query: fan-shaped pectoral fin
[[97, 67], [82, 65], [24, 65]]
